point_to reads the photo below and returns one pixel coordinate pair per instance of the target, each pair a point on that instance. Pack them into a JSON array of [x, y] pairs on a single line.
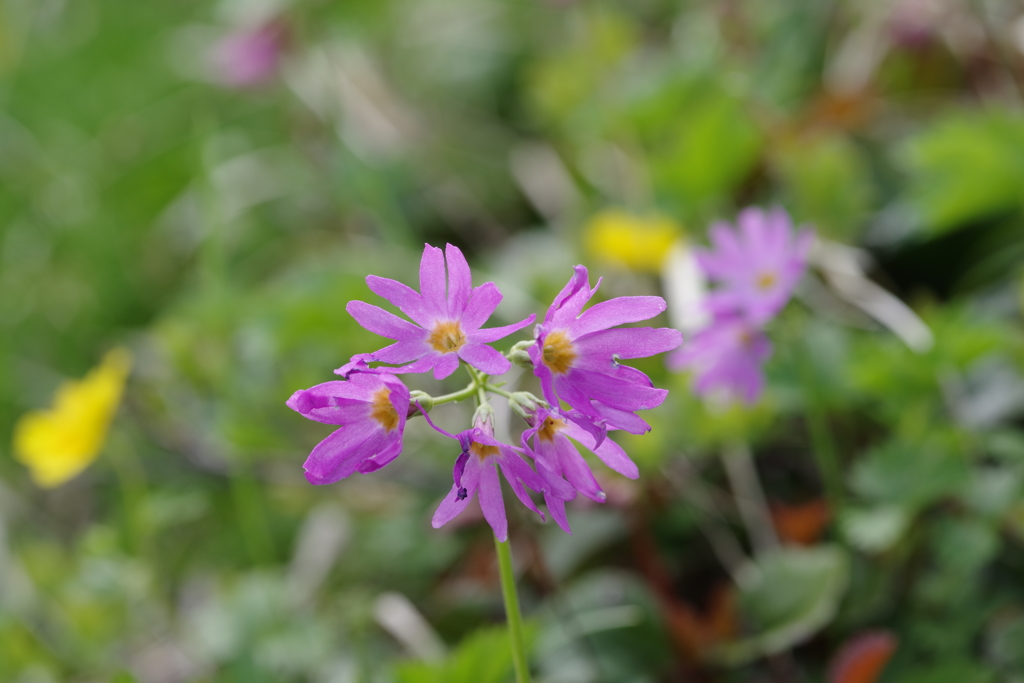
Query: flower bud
[[425, 400], [484, 417], [519, 355], [524, 404]]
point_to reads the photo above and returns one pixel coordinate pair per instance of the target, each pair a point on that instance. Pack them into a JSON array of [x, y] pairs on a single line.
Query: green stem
[[822, 443], [512, 614], [460, 395], [500, 392]]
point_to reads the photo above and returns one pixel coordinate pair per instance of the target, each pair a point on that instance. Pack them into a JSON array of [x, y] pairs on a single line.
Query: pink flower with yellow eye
[[476, 473], [556, 456], [444, 328], [371, 409], [576, 356]]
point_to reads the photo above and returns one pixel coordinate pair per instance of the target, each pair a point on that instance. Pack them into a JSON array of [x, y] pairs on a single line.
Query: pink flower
[[576, 357], [446, 328], [726, 357], [556, 457], [371, 409], [476, 472], [758, 265], [249, 56]]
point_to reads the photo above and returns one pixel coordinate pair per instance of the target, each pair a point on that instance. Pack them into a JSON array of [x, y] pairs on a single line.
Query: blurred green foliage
[[219, 231]]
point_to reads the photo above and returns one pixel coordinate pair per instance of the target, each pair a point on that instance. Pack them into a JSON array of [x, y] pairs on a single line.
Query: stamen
[[559, 353], [382, 410], [447, 336]]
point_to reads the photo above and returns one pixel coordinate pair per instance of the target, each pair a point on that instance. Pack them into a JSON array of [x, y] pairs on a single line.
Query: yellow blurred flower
[[59, 443], [635, 242]]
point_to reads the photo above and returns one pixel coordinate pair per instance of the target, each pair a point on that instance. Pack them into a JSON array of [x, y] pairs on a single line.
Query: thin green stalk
[[460, 395], [512, 614], [822, 442], [500, 392]]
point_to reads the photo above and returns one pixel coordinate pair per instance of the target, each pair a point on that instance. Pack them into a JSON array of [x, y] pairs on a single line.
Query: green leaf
[[786, 597], [874, 530], [967, 166], [828, 183], [484, 656], [912, 475]]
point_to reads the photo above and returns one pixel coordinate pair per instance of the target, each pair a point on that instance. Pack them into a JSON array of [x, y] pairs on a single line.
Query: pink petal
[[610, 453], [401, 352], [432, 281], [341, 453], [576, 471], [622, 419], [629, 342], [404, 297], [379, 321], [618, 311], [485, 359], [451, 506], [519, 490], [388, 452], [557, 509], [446, 364], [481, 305], [491, 334], [615, 392], [490, 500], [579, 280], [460, 282]]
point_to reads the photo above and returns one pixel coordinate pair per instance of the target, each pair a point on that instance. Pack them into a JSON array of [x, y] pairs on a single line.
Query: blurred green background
[[208, 183]]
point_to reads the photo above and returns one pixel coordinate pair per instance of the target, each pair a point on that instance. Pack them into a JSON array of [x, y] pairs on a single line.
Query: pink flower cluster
[[758, 266], [575, 354]]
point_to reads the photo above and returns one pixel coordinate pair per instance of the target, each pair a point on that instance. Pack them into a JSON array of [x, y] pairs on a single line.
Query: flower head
[[444, 329], [759, 264], [371, 409], [726, 358], [58, 443], [576, 357], [556, 456], [476, 473], [249, 56]]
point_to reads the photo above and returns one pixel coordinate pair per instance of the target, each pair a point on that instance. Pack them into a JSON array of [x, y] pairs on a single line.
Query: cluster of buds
[[575, 354]]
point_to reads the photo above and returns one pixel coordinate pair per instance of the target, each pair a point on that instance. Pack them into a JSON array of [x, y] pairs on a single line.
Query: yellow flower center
[[447, 336], [550, 427], [481, 450], [382, 410], [765, 280], [559, 353]]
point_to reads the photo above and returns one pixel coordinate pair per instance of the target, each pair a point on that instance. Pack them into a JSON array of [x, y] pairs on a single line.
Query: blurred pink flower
[[758, 264], [250, 56], [725, 357]]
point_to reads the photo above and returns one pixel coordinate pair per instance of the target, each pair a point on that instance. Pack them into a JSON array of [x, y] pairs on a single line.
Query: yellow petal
[[635, 242], [58, 443]]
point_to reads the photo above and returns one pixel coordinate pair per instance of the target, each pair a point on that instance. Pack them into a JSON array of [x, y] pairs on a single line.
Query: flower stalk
[[512, 614]]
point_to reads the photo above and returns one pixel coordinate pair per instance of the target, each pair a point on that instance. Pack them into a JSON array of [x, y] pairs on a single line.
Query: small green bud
[[524, 404], [519, 355], [484, 415], [424, 399]]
